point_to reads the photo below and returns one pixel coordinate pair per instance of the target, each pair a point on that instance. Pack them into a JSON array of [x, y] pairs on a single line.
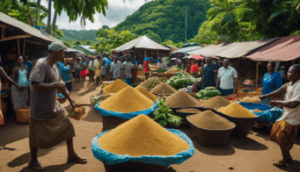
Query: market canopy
[[284, 49], [187, 49], [232, 50], [240, 49], [142, 42], [71, 50], [13, 23]]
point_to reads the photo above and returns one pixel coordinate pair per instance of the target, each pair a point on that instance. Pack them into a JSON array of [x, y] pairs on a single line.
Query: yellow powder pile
[[236, 110], [127, 100], [210, 120], [189, 110], [142, 136], [146, 93], [216, 102], [257, 110], [182, 99], [116, 86], [163, 88]]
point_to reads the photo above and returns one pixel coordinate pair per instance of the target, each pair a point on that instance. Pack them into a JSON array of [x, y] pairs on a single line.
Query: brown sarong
[[46, 134], [284, 134]]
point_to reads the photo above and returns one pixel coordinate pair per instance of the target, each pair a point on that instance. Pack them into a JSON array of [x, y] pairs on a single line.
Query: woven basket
[[61, 100], [78, 113], [22, 115]]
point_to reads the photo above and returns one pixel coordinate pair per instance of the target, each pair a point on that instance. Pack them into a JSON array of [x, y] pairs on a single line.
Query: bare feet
[[283, 163], [36, 166], [73, 157]]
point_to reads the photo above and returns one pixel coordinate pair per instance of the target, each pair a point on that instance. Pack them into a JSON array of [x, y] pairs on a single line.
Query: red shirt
[[194, 68], [146, 67]]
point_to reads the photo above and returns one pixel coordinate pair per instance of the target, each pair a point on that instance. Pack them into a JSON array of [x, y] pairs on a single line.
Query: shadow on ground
[[25, 158], [12, 131], [246, 144], [294, 167], [52, 168], [93, 115]]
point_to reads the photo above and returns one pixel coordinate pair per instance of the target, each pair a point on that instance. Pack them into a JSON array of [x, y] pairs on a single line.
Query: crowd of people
[[50, 126]]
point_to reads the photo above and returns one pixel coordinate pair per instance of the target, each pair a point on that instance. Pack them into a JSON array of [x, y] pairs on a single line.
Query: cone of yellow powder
[[146, 93], [116, 86], [142, 136]]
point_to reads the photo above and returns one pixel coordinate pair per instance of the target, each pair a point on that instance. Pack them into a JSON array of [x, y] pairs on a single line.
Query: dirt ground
[[252, 154]]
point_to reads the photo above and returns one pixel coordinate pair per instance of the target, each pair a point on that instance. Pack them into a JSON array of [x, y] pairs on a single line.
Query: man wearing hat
[[49, 125]]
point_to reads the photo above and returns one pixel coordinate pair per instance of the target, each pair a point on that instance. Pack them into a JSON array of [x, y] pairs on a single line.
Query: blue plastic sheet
[[125, 115], [61, 95], [113, 159], [268, 114]]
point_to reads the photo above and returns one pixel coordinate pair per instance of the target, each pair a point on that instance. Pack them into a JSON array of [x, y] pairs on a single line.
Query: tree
[[105, 27]]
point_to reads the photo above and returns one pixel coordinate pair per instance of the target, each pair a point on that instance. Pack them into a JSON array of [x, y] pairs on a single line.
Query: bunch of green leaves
[[181, 80], [164, 115], [152, 82], [208, 93]]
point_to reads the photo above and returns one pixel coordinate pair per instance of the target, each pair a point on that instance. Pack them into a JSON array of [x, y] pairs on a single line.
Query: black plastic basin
[[208, 137], [134, 167], [243, 125]]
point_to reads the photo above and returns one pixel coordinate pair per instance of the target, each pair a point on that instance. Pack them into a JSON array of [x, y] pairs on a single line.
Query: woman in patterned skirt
[[284, 131], [20, 75], [4, 75]]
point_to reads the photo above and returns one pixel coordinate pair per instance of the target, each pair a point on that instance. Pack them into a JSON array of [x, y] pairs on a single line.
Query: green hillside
[[165, 19], [81, 35]]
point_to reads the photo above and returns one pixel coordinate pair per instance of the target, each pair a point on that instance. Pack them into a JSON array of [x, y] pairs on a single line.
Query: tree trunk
[[38, 3], [49, 16], [54, 21], [30, 15]]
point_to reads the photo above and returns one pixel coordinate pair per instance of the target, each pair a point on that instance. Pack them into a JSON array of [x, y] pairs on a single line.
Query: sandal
[[282, 163], [35, 167], [79, 160]]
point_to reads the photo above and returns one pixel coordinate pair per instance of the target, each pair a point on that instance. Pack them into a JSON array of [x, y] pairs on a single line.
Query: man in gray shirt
[[48, 122], [115, 69]]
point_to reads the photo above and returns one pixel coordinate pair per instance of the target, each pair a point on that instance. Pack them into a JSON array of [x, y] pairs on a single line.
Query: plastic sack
[[61, 95], [125, 115], [268, 114], [113, 159]]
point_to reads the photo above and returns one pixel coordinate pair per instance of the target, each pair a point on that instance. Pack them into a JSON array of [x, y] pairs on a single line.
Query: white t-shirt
[[91, 65], [291, 115], [162, 65], [128, 66], [227, 77], [116, 69]]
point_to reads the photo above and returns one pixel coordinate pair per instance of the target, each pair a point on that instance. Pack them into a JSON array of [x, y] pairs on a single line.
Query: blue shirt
[[208, 75], [60, 66], [66, 73], [29, 66], [271, 83]]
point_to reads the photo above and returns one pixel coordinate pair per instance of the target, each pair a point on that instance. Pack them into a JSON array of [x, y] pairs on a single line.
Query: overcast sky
[[116, 13]]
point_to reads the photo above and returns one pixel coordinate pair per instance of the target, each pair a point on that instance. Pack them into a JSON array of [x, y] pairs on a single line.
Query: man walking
[[227, 79], [48, 122]]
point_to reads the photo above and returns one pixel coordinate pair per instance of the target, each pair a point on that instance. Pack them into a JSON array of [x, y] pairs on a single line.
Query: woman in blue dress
[[208, 77], [271, 81], [66, 75], [20, 98]]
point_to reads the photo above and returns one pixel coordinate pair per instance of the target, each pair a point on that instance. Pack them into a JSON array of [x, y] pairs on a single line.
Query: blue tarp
[[113, 159], [125, 115], [268, 114]]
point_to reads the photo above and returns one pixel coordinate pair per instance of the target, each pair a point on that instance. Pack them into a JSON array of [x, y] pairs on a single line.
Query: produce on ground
[[163, 89], [127, 100], [142, 136], [181, 80], [207, 93], [159, 70], [250, 99], [236, 110], [182, 99], [216, 102], [152, 82], [78, 113], [164, 115], [210, 120], [189, 110], [95, 98], [116, 86], [241, 94], [146, 93]]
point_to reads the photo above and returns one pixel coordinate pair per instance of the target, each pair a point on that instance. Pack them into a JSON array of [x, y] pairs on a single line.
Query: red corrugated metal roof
[[284, 49]]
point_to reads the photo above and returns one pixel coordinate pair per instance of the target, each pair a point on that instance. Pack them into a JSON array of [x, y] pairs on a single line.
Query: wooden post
[[145, 53], [24, 42], [18, 44]]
